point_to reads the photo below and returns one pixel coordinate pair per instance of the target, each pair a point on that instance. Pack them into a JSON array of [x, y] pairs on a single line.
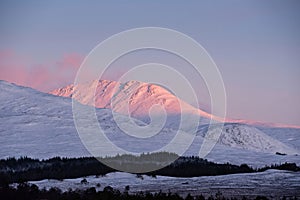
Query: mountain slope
[[250, 138], [41, 125], [36, 124]]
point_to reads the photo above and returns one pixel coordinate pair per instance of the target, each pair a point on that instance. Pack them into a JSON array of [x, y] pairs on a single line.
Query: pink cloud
[[70, 61], [44, 77]]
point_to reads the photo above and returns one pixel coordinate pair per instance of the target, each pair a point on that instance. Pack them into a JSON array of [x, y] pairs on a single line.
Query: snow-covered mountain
[[41, 125], [248, 137], [132, 98], [135, 99]]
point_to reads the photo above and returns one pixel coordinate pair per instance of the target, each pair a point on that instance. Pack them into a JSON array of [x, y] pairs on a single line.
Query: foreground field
[[271, 183]]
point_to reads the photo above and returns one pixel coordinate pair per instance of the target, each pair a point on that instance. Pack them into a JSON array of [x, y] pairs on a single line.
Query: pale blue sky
[[255, 44]]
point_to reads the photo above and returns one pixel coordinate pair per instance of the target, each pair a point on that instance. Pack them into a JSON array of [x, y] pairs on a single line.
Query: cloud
[[44, 77], [70, 61]]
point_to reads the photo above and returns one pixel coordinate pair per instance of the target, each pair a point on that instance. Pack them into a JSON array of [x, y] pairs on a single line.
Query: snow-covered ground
[[271, 183], [41, 125]]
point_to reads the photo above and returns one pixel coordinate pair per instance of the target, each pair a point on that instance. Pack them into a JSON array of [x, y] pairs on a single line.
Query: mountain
[[141, 96], [41, 125], [135, 99], [132, 98]]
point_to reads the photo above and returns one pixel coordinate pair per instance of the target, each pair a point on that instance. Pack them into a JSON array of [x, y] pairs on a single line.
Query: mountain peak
[[133, 96]]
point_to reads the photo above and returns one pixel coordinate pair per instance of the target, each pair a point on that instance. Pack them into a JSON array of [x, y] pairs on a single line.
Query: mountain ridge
[[139, 106]]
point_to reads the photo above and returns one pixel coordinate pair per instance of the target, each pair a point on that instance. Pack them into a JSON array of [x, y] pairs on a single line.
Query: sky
[[255, 44]]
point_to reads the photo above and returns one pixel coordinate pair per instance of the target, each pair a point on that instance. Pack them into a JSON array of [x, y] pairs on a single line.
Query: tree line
[[25, 169]]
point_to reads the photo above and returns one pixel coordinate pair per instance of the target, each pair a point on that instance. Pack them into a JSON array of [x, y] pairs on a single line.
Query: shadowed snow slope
[[250, 138], [41, 125]]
